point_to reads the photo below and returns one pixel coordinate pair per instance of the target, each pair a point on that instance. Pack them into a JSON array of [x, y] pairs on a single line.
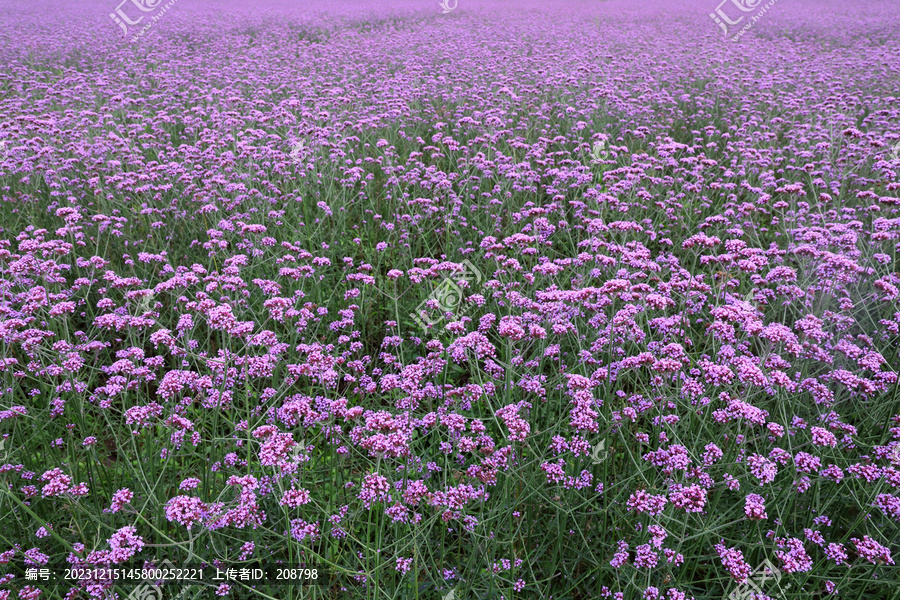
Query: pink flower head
[[872, 551], [754, 507], [185, 510], [120, 499]]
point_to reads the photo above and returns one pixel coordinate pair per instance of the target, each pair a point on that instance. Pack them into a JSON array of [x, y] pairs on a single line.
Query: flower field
[[491, 300]]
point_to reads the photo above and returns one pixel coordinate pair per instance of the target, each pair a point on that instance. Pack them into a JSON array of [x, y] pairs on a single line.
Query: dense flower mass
[[558, 299]]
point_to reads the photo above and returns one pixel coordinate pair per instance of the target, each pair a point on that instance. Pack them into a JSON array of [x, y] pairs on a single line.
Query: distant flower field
[[474, 301]]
